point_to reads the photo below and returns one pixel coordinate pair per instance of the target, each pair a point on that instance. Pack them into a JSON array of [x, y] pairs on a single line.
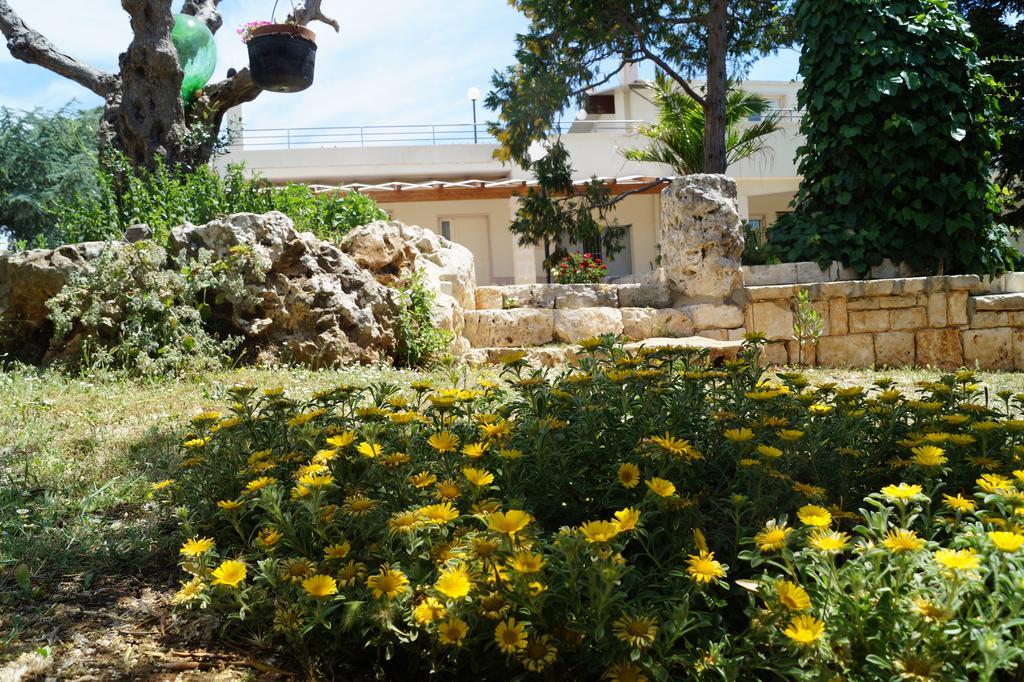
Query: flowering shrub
[[579, 268], [246, 30], [638, 516]]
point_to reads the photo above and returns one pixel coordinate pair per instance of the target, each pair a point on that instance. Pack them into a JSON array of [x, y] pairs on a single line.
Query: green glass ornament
[[197, 53]]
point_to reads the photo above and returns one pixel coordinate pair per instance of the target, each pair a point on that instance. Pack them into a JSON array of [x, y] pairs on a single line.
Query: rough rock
[[574, 324], [646, 323], [317, 305], [701, 236], [27, 281], [138, 233], [509, 328]]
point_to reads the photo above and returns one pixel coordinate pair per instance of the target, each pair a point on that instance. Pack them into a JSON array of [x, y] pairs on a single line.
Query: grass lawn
[[77, 460]]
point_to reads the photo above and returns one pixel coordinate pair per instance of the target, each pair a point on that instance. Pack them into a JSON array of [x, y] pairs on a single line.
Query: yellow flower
[[929, 456], [769, 452], [539, 653], [671, 444], [739, 435], [448, 490], [260, 483], [478, 477], [524, 561], [452, 631], [510, 453], [829, 542], [513, 357], [510, 522], [625, 672], [805, 630], [315, 481], [428, 610], [958, 559], [627, 518], [790, 435], [337, 551], [661, 487], [454, 583], [474, 450], [812, 491], [959, 503], [510, 636], [439, 514], [229, 505], [229, 573], [320, 586], [901, 492], [773, 537], [815, 516], [269, 537], [792, 596], [389, 583], [189, 591], [403, 522], [358, 505], [160, 485], [901, 540], [637, 631], [599, 531], [1006, 541], [370, 450], [496, 431], [351, 572], [703, 568], [423, 479], [629, 475], [443, 441], [197, 547], [342, 440], [993, 483]]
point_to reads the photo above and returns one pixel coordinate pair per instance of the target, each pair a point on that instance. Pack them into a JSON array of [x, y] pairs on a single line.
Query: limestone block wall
[[943, 322]]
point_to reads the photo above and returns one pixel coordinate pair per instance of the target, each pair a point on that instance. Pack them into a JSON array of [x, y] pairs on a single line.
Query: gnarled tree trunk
[[144, 116]]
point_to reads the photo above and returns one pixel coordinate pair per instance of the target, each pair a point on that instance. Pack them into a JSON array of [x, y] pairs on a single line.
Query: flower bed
[[637, 517]]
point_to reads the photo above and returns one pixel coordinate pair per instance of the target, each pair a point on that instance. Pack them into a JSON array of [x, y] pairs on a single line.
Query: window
[[600, 104], [755, 223], [446, 229]]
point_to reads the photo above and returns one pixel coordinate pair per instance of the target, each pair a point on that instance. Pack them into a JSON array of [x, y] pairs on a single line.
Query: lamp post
[[474, 94]]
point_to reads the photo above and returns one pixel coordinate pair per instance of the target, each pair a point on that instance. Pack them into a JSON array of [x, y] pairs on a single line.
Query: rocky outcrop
[[316, 305], [27, 281], [701, 237], [393, 251]]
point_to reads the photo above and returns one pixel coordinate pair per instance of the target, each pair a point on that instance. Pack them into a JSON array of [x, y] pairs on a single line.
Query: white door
[[473, 232]]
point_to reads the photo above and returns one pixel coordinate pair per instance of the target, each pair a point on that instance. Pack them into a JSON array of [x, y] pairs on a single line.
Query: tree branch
[[310, 12], [205, 11], [32, 47], [642, 188]]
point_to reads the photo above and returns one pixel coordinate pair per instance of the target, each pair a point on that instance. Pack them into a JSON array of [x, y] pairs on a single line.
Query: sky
[[395, 62]]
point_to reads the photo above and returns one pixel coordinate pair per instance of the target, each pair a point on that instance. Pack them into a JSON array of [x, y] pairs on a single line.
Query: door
[[473, 232]]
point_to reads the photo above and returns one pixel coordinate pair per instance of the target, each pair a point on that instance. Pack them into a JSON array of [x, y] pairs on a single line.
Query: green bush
[[164, 199], [640, 516], [419, 341], [129, 312], [900, 135]]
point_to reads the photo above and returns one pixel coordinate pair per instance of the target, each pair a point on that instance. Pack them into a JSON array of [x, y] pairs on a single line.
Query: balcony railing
[[417, 135]]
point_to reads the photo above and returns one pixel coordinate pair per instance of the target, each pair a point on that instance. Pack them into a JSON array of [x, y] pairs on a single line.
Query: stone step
[[996, 302], [515, 327], [571, 296], [554, 355]]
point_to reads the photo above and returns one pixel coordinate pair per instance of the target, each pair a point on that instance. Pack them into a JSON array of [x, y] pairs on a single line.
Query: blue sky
[[395, 62]]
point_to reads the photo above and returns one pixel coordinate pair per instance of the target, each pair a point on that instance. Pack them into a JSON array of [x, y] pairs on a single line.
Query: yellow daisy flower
[[510, 636], [637, 631], [452, 631], [197, 547], [661, 487], [703, 568], [792, 596], [805, 630], [901, 540], [320, 586], [388, 583], [629, 475], [229, 573]]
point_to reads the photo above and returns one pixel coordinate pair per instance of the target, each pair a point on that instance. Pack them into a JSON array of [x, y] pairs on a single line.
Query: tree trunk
[[715, 100]]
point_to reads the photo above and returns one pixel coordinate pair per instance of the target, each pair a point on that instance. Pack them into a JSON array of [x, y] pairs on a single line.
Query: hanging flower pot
[[282, 57]]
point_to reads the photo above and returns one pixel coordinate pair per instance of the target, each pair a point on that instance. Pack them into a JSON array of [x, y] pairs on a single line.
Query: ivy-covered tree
[[899, 144], [571, 48], [999, 27]]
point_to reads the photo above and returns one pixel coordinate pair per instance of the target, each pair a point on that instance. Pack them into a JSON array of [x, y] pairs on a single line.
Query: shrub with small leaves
[[579, 268]]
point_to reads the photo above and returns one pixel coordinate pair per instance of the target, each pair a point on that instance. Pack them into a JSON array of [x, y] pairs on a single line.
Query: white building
[[445, 178]]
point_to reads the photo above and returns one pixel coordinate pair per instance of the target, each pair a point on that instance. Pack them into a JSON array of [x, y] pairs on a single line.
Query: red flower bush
[[579, 268]]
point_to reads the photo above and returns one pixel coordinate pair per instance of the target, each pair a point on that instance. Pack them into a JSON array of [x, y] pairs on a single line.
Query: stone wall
[[942, 322]]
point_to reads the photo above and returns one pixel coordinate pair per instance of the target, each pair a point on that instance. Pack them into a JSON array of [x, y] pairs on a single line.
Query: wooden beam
[[478, 193]]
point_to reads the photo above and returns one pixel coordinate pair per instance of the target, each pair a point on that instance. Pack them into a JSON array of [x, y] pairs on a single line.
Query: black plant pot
[[282, 57]]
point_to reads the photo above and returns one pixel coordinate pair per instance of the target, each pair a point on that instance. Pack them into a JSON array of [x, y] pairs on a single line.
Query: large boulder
[[392, 251], [701, 237], [316, 305], [27, 281]]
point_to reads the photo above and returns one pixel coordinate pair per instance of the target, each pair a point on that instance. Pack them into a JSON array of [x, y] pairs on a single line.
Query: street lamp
[[474, 94]]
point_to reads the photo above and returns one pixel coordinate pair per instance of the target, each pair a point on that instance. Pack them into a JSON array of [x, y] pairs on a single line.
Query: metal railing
[[418, 135]]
